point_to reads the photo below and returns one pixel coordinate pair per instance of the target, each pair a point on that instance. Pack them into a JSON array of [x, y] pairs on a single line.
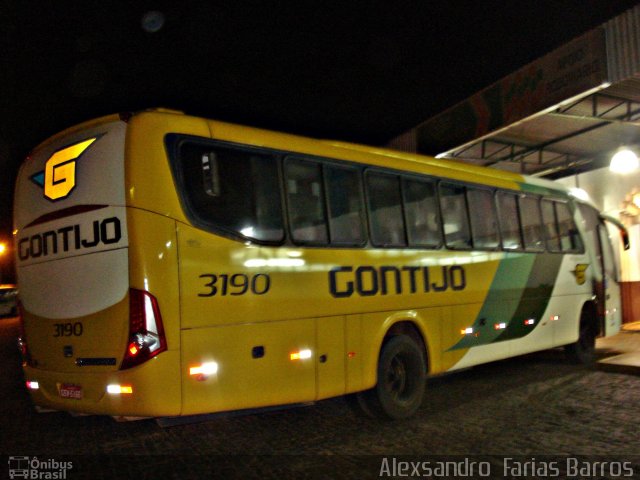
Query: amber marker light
[[115, 389], [301, 355], [204, 370]]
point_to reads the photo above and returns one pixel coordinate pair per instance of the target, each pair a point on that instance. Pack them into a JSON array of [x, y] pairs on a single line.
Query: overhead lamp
[[624, 161]]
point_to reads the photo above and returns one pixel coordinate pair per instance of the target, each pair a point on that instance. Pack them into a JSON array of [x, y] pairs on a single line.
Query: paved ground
[[528, 407]]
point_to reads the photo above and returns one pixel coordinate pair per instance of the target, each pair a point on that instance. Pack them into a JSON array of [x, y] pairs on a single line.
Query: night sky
[[356, 71]]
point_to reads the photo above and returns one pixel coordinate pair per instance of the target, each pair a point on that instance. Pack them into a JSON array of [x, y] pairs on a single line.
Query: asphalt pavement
[[534, 408]]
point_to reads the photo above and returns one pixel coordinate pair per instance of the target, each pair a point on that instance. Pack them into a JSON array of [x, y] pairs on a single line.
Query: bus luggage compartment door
[[248, 366]]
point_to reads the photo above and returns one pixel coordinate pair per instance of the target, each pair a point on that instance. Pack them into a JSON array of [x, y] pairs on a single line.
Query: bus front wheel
[[401, 377], [584, 349]]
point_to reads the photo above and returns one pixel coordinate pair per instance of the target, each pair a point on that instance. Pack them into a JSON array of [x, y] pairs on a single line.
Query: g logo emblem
[[580, 273], [59, 176]]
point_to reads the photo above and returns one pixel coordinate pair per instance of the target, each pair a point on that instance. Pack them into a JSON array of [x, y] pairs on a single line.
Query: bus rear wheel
[[401, 380], [584, 349]]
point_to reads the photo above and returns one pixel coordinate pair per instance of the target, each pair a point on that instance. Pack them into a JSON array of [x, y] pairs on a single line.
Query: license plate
[[70, 391]]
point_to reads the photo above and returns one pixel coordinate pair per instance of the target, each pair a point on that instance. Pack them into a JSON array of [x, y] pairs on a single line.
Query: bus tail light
[[32, 385], [146, 333]]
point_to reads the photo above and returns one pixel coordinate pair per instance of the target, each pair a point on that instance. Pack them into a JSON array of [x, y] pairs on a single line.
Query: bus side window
[[421, 213], [455, 218], [532, 231], [346, 207], [509, 221], [550, 226], [570, 240], [484, 222], [232, 190], [305, 201], [385, 210]]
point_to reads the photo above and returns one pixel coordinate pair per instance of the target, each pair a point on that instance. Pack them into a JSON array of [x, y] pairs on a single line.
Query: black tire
[[401, 374], [583, 351]]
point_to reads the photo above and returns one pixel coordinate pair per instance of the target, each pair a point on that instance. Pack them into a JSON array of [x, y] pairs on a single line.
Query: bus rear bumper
[[149, 390]]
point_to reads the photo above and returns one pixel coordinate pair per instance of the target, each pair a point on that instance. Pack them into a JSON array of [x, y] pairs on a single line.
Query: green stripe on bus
[[521, 290], [535, 297]]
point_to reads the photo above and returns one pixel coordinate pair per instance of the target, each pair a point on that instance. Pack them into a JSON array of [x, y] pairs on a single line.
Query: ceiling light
[[624, 161]]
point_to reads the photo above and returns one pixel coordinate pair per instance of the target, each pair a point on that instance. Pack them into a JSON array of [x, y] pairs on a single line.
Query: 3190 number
[[235, 284], [67, 329]]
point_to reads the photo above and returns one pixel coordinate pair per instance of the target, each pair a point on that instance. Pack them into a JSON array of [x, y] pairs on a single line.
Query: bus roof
[[344, 150]]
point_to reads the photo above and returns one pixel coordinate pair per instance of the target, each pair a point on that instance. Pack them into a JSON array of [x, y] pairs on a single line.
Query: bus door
[[610, 300]]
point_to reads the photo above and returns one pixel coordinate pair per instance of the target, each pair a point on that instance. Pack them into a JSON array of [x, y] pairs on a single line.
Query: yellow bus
[[170, 265]]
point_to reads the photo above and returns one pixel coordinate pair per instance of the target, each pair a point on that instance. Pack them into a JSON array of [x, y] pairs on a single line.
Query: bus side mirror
[[624, 233]]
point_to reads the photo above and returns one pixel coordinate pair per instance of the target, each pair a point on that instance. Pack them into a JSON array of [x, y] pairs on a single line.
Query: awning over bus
[[564, 113]]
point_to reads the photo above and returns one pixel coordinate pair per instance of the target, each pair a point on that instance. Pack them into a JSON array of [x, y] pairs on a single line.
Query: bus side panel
[[254, 366], [573, 288], [153, 267], [353, 344], [333, 360]]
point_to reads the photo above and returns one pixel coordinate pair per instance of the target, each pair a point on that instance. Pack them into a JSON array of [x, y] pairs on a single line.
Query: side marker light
[[204, 370], [115, 389], [301, 355]]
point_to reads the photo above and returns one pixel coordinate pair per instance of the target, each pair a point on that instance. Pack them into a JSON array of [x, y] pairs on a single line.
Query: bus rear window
[[231, 190]]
